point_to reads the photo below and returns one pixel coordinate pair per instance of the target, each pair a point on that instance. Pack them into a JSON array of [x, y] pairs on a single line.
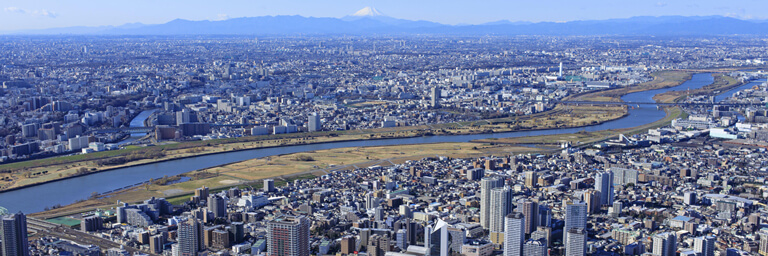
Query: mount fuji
[[368, 12], [371, 16]]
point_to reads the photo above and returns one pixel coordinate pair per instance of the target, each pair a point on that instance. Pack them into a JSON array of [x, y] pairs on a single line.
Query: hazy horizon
[[23, 15]]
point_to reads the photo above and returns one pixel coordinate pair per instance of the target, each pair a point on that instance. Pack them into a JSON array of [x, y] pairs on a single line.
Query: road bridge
[[683, 104]]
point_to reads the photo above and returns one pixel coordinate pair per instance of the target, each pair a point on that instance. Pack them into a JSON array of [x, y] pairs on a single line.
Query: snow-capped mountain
[[368, 12]]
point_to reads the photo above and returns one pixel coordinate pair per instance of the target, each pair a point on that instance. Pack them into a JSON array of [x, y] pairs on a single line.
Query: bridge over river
[[682, 104]]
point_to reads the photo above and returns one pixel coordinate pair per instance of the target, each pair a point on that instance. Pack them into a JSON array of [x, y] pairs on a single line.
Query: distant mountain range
[[369, 21]]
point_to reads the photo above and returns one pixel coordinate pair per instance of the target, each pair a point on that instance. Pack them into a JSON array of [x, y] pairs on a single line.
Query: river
[[730, 93], [36, 198], [138, 121]]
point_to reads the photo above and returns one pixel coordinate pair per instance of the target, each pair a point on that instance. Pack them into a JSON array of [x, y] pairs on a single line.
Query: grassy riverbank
[[661, 79], [21, 174], [721, 83], [560, 117], [584, 138], [311, 164], [288, 167]]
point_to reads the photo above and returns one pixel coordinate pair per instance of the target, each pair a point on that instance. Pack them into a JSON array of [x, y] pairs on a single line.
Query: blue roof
[[683, 218]]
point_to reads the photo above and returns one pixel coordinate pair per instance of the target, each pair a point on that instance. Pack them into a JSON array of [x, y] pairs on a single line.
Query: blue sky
[[36, 14]]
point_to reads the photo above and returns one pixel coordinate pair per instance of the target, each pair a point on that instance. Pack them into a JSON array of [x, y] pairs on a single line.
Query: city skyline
[[383, 128], [21, 15]]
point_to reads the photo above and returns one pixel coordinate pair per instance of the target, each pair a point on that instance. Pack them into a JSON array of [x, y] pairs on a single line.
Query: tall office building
[[13, 231], [501, 205], [531, 179], [29, 130], [365, 234], [378, 245], [535, 247], [92, 223], [156, 244], [288, 236], [348, 245], [186, 116], [665, 244], [704, 246], [623, 176], [689, 198], [190, 238], [486, 184], [218, 206], [378, 214], [604, 184], [269, 185], [236, 232], [617, 208], [762, 249], [545, 216], [401, 239], [314, 123], [575, 218], [514, 234], [437, 239], [435, 97], [531, 210], [412, 232], [218, 239], [592, 197], [202, 192], [577, 242], [458, 237]]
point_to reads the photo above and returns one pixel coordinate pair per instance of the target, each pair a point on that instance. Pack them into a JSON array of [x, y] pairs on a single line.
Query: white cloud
[[661, 4], [14, 10], [42, 12], [46, 13]]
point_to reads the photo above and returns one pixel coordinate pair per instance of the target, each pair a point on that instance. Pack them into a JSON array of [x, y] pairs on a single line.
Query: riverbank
[[661, 80], [583, 138], [32, 173], [287, 166], [71, 190], [722, 83], [250, 173]]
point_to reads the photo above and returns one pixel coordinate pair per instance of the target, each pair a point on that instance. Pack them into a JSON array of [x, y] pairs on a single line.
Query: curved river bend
[[36, 198]]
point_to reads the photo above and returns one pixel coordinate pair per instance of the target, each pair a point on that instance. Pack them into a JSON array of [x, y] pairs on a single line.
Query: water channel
[[137, 121]]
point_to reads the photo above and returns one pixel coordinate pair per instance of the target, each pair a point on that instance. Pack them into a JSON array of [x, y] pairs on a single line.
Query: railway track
[[45, 228]]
